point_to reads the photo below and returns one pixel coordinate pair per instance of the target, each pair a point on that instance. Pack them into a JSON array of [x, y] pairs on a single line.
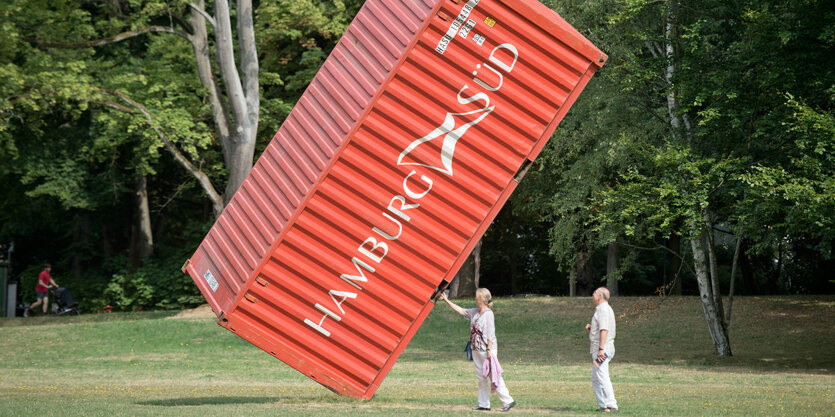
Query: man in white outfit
[[602, 337]]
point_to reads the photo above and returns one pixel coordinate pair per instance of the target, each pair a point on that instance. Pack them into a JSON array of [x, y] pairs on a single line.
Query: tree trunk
[[715, 323], [670, 69], [237, 131], [239, 148], [142, 240], [778, 272], [750, 283], [673, 110], [681, 127], [160, 229], [468, 275], [511, 270], [477, 264], [674, 272], [453, 286], [714, 269], [733, 280], [612, 268], [572, 284], [200, 44], [583, 273], [81, 239], [107, 246]]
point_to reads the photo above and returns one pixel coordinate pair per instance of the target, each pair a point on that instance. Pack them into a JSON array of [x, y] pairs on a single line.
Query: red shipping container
[[383, 178]]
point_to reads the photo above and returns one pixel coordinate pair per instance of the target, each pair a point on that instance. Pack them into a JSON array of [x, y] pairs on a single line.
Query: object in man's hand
[[598, 362]]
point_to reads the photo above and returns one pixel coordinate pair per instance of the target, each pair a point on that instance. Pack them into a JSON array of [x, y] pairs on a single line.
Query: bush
[[129, 293], [158, 284]]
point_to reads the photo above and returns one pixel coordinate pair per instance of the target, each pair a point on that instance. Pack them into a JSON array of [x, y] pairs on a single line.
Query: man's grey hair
[[604, 292]]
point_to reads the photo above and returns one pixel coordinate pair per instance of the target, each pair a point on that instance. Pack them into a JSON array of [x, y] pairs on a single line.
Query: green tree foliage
[[88, 91], [708, 116], [605, 133], [731, 121], [730, 130], [743, 142]]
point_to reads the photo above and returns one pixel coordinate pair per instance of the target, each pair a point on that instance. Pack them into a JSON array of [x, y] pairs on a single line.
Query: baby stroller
[[63, 304]]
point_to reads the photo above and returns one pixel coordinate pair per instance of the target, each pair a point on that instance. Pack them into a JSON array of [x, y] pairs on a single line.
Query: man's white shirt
[[603, 319]]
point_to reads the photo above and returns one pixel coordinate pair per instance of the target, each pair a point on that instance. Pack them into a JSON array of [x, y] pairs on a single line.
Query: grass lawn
[[145, 364]]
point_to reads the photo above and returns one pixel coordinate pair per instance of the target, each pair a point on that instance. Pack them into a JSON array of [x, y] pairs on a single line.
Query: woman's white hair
[[484, 295]]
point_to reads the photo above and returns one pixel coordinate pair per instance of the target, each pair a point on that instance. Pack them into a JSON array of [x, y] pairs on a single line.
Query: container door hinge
[[441, 288], [251, 298], [523, 170], [261, 281]]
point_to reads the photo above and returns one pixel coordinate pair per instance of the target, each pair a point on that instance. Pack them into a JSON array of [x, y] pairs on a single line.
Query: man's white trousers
[[601, 383]]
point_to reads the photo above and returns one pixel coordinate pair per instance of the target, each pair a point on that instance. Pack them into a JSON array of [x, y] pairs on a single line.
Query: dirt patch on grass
[[199, 312]]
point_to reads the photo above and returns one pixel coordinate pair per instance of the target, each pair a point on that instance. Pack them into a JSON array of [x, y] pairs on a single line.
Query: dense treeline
[[703, 149], [710, 129], [118, 130]]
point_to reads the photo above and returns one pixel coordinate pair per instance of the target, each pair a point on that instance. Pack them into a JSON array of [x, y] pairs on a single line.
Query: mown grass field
[[145, 364]]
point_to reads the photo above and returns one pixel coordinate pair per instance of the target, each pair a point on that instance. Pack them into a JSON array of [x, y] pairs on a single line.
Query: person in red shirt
[[45, 282]]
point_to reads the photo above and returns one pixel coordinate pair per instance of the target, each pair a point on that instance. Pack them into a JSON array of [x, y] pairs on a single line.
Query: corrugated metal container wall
[[383, 178]]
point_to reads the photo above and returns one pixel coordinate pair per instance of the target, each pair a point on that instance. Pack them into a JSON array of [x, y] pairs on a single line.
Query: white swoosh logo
[[452, 134]]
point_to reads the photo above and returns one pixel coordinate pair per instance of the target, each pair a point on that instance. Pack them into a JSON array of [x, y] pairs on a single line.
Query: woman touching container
[[485, 348]]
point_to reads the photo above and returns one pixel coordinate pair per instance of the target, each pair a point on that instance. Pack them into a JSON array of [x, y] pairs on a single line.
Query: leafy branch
[[197, 173]]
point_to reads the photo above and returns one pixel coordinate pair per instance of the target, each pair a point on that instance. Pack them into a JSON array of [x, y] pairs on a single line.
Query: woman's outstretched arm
[[454, 306]]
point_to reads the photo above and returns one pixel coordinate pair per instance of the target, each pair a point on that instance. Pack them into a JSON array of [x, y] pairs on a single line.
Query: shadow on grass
[[191, 401], [567, 409]]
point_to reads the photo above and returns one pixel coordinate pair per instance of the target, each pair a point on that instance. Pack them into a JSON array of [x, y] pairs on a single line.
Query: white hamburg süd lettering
[[360, 265], [499, 64], [380, 232], [412, 194], [374, 246], [399, 212], [373, 250]]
